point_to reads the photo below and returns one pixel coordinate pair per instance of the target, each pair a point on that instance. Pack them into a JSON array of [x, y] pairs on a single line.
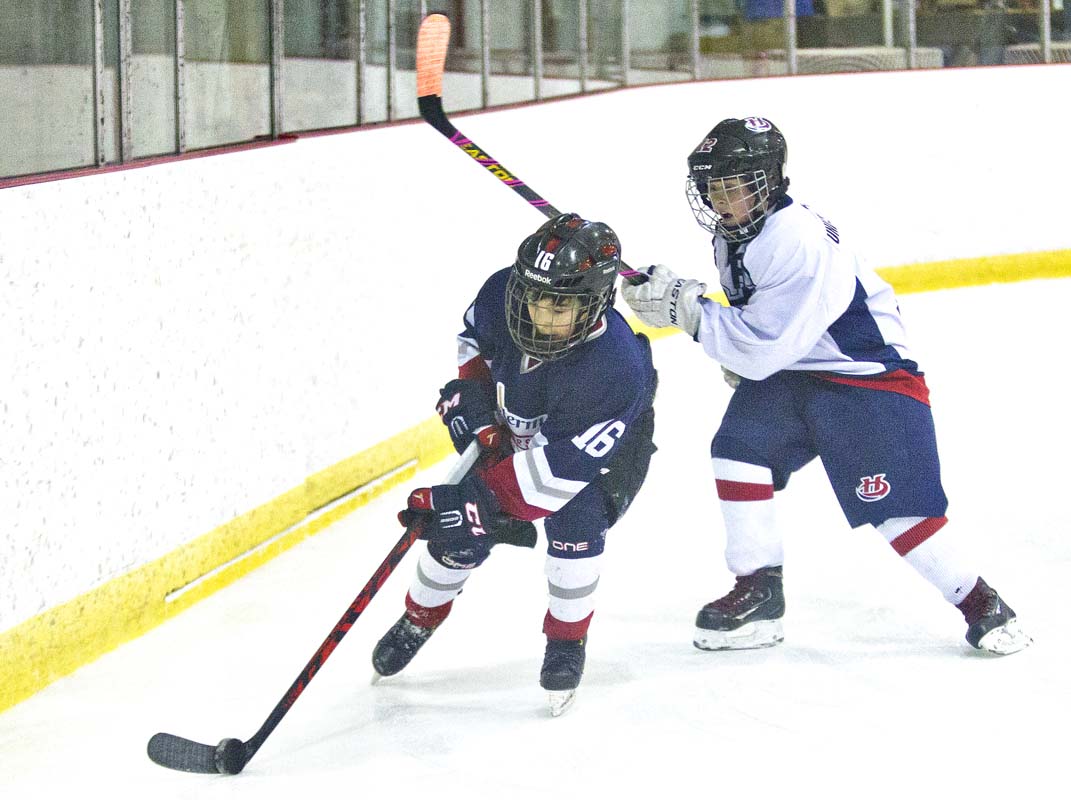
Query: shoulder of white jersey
[[796, 219], [794, 238]]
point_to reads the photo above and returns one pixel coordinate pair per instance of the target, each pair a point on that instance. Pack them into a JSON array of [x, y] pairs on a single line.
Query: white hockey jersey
[[801, 300]]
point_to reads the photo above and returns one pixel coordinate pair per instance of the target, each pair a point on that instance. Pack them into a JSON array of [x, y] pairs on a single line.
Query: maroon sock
[[423, 616], [572, 631]]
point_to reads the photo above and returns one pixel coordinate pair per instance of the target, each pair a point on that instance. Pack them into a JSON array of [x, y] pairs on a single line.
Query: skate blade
[[561, 701], [376, 678], [1006, 639], [765, 633]]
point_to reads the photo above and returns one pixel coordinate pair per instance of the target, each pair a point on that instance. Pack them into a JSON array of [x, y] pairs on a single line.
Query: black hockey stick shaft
[[432, 44], [230, 756]]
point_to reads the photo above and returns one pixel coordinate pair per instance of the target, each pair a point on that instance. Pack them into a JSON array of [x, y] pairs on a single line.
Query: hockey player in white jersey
[[815, 348], [549, 368]]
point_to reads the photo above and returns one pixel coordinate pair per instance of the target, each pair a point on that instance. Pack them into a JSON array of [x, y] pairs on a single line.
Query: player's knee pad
[[576, 546], [578, 529]]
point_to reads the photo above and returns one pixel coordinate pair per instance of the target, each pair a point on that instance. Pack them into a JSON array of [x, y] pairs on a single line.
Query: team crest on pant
[[872, 487]]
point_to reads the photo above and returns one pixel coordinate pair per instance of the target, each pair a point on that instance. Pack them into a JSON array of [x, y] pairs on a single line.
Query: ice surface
[[873, 694]]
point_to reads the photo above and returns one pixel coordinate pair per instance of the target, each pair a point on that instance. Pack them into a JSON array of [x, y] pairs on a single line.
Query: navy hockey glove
[[462, 512], [466, 408]]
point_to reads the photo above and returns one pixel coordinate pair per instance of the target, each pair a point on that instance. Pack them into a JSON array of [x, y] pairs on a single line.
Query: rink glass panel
[[97, 82]]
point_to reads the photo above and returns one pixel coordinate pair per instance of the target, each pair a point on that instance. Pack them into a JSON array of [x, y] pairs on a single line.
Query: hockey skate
[[398, 646], [563, 666], [991, 624], [749, 616]]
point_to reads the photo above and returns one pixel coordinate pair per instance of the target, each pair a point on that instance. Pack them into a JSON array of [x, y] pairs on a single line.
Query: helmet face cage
[[745, 197], [736, 176], [561, 285], [545, 322]]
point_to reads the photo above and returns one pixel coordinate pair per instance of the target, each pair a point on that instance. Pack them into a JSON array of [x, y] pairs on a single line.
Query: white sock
[[752, 538], [935, 558]]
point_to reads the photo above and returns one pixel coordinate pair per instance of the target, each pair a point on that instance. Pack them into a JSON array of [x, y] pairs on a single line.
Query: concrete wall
[[184, 342]]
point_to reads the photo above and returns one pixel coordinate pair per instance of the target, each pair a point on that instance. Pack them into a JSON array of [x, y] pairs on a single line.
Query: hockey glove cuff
[[666, 299], [467, 407], [462, 512]]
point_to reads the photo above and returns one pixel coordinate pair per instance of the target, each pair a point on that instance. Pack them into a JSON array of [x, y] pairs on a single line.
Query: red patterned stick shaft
[[230, 756]]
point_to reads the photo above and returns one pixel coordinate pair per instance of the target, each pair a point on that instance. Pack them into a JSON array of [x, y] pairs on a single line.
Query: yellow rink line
[[61, 639], [956, 274]]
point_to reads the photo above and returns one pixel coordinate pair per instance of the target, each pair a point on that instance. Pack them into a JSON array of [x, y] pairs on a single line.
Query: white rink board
[[185, 342]]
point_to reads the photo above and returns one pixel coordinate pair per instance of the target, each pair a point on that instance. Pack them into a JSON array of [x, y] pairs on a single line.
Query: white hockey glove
[[666, 299], [731, 378]]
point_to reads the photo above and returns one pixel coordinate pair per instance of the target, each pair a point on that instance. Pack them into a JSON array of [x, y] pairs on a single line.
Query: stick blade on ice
[[174, 752], [229, 757]]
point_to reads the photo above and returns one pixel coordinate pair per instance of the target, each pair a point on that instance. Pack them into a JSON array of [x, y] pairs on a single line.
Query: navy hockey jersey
[[564, 416]]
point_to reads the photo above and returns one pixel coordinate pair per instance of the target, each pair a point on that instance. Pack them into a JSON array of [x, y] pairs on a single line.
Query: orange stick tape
[[432, 42]]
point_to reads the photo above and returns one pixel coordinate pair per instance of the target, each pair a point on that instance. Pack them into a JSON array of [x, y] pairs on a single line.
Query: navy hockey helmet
[[561, 285], [736, 176]]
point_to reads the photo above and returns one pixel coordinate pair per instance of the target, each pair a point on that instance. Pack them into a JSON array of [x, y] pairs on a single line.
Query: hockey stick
[[433, 41], [230, 756]]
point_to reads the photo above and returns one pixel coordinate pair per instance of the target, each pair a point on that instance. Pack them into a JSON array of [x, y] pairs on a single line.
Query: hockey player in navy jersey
[[551, 370], [814, 346]]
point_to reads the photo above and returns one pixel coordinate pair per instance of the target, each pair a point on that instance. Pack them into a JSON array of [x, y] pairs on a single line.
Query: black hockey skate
[[748, 616], [398, 646], [991, 624], [563, 667]]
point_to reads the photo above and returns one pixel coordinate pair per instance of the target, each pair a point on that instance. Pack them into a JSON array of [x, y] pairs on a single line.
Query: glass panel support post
[[582, 45], [1045, 29], [180, 76], [693, 21], [99, 111], [911, 37], [126, 101], [485, 53], [791, 60], [392, 58], [361, 56], [275, 66], [537, 49]]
